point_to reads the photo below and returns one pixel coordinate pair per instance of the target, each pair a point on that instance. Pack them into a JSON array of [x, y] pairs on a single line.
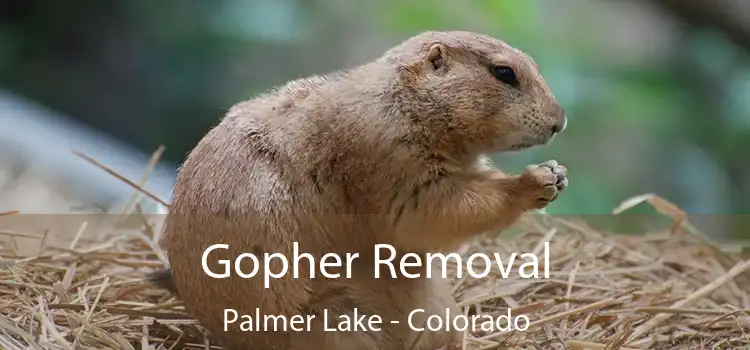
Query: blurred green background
[[657, 92]]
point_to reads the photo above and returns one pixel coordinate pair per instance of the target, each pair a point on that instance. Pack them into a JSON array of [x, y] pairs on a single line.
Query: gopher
[[394, 151]]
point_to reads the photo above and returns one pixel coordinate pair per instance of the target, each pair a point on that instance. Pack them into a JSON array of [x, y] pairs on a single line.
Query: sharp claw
[[563, 183]]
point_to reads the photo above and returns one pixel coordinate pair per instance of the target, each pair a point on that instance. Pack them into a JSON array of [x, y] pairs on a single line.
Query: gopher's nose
[[562, 120], [560, 127]]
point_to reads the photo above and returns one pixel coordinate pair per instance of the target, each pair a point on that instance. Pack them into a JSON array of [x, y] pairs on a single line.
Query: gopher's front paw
[[542, 183]]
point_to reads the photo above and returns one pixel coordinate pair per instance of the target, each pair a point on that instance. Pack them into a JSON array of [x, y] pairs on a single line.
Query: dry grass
[[661, 291], [670, 289]]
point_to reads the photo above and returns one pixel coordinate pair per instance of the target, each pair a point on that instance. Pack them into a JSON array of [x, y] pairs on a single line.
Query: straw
[[605, 291]]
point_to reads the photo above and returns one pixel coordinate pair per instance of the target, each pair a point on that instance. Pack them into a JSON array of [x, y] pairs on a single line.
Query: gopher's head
[[477, 91]]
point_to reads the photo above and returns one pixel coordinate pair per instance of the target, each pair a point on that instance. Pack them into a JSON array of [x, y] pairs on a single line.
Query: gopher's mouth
[[520, 146], [529, 142]]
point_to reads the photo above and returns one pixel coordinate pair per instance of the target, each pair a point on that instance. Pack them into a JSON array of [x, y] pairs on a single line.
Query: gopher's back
[[272, 172]]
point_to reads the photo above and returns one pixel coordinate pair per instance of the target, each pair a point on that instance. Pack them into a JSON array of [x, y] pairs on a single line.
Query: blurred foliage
[[153, 72]]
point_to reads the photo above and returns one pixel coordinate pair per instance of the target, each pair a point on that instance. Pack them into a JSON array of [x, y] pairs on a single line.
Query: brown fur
[[393, 152]]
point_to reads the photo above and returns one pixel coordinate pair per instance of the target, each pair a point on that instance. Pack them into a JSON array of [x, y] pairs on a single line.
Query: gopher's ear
[[436, 57]]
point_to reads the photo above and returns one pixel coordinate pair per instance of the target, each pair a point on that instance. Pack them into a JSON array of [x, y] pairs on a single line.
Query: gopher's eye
[[505, 74]]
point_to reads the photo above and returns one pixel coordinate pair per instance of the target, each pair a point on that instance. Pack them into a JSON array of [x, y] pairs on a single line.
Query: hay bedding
[[660, 291], [664, 290]]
